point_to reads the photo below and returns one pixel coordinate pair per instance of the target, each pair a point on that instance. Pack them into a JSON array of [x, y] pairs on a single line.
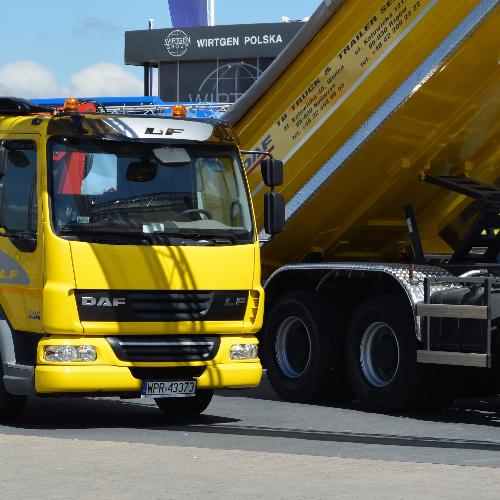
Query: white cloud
[[93, 24], [30, 80], [106, 79]]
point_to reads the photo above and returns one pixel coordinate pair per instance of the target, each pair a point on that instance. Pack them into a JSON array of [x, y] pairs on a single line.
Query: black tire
[[11, 405], [381, 356], [184, 407], [304, 340]]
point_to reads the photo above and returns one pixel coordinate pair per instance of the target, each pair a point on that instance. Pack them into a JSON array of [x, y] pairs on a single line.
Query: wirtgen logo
[[177, 42], [103, 301]]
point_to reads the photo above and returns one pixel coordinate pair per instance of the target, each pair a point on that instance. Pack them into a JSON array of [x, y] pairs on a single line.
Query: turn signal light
[[179, 110], [71, 105]]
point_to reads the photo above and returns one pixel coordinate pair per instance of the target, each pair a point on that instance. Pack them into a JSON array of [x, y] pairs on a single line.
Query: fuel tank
[[463, 334]]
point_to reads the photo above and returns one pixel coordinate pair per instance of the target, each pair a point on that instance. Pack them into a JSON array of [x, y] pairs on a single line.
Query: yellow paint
[[83, 379], [450, 125], [12, 274], [163, 268], [18, 300], [379, 30], [108, 373], [58, 268], [106, 356], [21, 291]]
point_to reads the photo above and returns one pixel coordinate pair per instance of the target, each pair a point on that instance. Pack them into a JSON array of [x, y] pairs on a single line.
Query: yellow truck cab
[[129, 259]]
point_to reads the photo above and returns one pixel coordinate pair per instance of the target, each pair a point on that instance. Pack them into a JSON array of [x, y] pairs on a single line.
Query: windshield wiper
[[127, 234], [152, 238], [213, 239], [217, 239], [110, 233], [192, 236], [223, 238]]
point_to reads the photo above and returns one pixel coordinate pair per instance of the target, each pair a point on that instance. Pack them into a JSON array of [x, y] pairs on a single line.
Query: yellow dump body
[[384, 90]]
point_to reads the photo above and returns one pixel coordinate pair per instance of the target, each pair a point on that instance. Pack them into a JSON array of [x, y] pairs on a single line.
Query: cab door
[[21, 256]]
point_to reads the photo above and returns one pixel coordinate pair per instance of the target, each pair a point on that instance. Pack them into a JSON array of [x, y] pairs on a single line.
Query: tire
[[185, 407], [381, 356], [11, 405], [304, 341]]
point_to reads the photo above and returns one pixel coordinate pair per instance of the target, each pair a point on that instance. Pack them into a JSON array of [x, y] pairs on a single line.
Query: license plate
[[168, 389]]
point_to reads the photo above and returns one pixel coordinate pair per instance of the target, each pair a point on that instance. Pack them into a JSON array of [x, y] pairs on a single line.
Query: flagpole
[[211, 13], [150, 68]]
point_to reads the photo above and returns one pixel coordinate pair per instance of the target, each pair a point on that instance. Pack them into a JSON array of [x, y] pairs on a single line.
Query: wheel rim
[[379, 354], [293, 347]]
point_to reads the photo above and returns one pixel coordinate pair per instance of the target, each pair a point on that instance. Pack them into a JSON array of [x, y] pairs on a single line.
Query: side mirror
[[272, 172], [274, 213], [4, 160]]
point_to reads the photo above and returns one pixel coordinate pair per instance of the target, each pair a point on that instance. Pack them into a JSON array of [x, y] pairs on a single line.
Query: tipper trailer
[[386, 114], [129, 259]]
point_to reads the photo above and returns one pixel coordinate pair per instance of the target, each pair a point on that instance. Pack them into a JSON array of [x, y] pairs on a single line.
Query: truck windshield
[[106, 187]]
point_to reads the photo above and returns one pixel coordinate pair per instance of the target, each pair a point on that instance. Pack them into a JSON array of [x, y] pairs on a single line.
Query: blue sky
[[58, 48]]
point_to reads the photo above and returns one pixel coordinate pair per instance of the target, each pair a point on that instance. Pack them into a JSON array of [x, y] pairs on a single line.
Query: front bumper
[[109, 374], [57, 379]]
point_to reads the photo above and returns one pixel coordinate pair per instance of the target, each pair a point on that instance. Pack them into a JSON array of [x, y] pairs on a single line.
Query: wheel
[[197, 212], [185, 407], [304, 341], [381, 356], [11, 405]]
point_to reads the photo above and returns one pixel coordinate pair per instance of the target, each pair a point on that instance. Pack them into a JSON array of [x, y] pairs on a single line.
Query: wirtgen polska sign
[[207, 42]]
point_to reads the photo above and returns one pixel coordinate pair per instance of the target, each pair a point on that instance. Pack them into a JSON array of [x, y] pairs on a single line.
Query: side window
[[217, 190], [20, 182]]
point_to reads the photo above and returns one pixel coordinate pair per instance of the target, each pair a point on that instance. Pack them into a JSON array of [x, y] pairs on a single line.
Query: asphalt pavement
[[249, 443]]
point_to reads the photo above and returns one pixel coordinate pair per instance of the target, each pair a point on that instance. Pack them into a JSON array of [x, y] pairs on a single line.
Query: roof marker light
[[71, 105], [179, 110]]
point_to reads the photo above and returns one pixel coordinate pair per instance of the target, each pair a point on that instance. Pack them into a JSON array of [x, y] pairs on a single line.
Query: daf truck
[[129, 257]]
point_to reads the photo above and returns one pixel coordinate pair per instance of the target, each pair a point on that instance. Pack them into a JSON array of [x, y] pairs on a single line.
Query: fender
[[315, 276], [18, 355]]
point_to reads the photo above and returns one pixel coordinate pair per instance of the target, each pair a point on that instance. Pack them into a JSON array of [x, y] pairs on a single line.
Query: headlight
[[243, 351], [69, 353]]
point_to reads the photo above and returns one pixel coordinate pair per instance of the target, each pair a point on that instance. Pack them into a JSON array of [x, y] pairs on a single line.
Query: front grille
[[167, 306], [161, 305], [158, 348], [169, 373]]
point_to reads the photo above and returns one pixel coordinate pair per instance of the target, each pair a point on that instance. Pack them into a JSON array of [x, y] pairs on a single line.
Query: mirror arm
[[247, 152], [271, 238]]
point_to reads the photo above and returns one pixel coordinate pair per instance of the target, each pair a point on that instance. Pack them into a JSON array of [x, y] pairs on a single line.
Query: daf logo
[[177, 42], [103, 301], [239, 301]]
